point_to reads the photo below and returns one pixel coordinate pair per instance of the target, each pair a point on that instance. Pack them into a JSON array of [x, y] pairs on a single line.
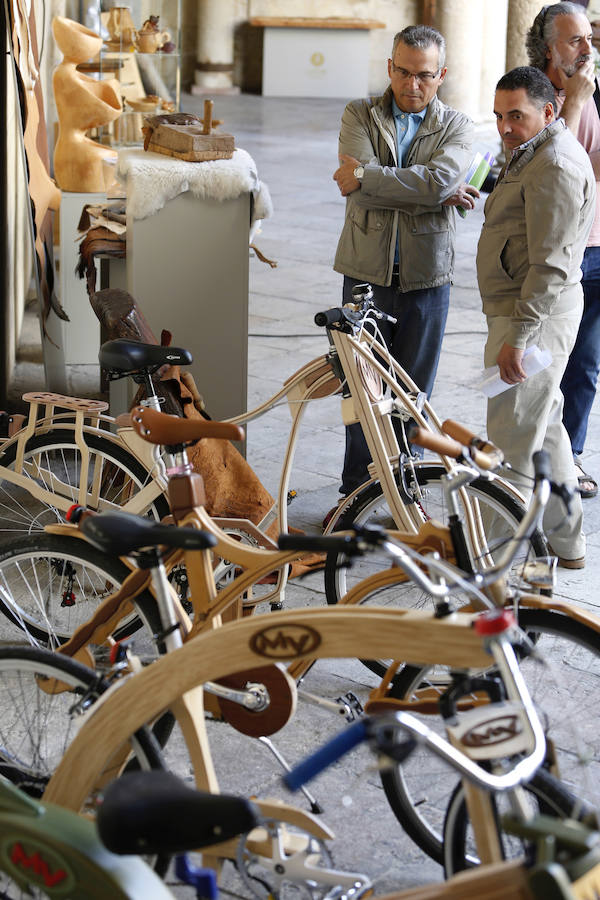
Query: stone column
[[461, 23], [521, 14], [493, 59], [214, 48]]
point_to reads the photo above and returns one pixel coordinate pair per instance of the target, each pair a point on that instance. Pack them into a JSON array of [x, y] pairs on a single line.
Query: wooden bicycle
[[59, 460], [188, 713], [574, 630]]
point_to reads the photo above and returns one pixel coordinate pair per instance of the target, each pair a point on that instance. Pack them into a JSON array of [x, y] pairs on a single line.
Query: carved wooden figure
[[81, 103]]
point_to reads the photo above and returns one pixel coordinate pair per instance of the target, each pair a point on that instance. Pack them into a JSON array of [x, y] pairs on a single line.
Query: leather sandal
[[565, 563], [585, 480]]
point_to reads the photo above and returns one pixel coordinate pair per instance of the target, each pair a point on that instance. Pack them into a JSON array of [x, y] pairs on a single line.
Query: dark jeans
[[415, 342], [578, 384]]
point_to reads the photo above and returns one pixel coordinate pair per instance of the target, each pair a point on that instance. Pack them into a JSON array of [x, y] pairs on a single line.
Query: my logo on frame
[[285, 642]]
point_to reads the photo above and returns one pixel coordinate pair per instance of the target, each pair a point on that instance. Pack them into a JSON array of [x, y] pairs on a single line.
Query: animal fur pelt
[[152, 180]]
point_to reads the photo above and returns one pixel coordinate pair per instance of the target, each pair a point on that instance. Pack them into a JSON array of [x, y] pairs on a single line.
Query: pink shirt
[[588, 136]]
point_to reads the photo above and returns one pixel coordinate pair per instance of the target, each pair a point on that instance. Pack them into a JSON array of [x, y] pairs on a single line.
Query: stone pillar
[[493, 59], [521, 14], [214, 48], [461, 23]]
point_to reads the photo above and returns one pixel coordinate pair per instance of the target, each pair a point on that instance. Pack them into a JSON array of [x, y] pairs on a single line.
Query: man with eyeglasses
[[403, 157], [560, 44], [537, 221]]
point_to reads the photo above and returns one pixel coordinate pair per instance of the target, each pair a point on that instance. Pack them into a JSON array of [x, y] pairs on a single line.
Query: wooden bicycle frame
[[175, 682], [316, 380]]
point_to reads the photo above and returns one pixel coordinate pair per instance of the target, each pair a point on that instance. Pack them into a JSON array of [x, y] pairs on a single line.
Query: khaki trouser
[[528, 417]]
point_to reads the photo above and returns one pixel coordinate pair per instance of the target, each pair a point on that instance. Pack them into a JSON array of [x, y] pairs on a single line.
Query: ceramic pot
[[120, 25], [150, 41]]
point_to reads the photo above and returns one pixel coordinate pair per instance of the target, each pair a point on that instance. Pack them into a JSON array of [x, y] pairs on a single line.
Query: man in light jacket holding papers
[[537, 221]]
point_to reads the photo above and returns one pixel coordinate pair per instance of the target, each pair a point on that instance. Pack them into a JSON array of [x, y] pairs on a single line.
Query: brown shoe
[[578, 563]]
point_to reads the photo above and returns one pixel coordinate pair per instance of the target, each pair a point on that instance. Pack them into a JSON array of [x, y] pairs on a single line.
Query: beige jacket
[[407, 199], [537, 222]]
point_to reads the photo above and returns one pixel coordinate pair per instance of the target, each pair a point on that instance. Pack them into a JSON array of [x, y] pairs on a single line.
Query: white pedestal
[[187, 267], [315, 62]]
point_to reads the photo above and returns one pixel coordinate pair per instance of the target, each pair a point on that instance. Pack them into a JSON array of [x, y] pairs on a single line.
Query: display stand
[[188, 235], [306, 57], [187, 267]]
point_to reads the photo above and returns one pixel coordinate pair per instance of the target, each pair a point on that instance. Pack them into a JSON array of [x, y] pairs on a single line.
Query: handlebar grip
[[542, 466], [458, 432], [329, 317], [436, 442], [316, 543], [489, 457], [326, 755]]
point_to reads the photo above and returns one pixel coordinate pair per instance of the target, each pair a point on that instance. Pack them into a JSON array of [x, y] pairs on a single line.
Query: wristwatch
[[359, 172]]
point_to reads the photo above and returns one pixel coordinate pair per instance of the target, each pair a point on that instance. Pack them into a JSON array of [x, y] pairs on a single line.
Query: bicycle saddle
[[155, 812], [160, 428], [119, 534], [122, 357]]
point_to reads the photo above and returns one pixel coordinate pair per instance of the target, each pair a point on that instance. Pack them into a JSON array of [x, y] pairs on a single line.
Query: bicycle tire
[[120, 474], [418, 790], [370, 506], [36, 726], [50, 584], [548, 795]]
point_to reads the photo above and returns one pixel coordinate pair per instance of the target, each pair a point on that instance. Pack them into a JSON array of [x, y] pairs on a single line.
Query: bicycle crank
[[277, 858]]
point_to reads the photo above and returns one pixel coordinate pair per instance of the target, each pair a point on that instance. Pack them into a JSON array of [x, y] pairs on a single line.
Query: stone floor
[[294, 144]]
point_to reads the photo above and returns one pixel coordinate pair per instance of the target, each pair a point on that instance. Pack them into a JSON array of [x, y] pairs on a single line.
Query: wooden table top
[[306, 22]]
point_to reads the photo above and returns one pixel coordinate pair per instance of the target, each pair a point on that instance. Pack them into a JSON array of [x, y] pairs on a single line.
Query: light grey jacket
[[408, 198], [537, 221]]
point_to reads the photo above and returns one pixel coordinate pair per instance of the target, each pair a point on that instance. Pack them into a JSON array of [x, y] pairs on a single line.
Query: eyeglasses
[[422, 77]]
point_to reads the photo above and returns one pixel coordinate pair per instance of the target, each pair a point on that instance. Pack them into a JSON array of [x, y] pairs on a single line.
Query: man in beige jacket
[[403, 157], [537, 221]]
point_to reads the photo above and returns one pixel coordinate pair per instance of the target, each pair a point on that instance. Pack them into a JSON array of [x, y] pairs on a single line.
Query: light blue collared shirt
[[407, 125]]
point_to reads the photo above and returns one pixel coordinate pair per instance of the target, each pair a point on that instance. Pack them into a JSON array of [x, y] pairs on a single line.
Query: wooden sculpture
[[43, 192], [81, 103]]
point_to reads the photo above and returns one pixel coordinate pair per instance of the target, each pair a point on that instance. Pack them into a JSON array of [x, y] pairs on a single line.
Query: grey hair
[[423, 37], [543, 31]]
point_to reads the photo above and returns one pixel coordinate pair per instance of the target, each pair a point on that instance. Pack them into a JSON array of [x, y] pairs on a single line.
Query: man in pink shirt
[[560, 44]]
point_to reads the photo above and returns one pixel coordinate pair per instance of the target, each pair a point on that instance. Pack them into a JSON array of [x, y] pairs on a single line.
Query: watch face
[[359, 172]]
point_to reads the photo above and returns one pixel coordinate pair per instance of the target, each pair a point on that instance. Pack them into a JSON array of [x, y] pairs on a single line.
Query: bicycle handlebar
[[352, 314], [448, 446], [316, 543], [330, 317], [376, 729]]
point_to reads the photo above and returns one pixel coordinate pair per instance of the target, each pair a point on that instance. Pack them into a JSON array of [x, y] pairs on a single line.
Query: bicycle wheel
[[370, 506], [37, 725], [565, 694], [42, 698], [50, 584], [53, 461], [546, 794]]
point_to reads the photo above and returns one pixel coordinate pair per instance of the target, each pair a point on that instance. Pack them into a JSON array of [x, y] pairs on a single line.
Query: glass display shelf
[[141, 50]]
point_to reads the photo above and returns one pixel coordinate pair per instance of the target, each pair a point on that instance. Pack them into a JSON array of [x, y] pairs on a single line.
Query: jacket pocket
[[426, 247], [512, 260], [366, 219]]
